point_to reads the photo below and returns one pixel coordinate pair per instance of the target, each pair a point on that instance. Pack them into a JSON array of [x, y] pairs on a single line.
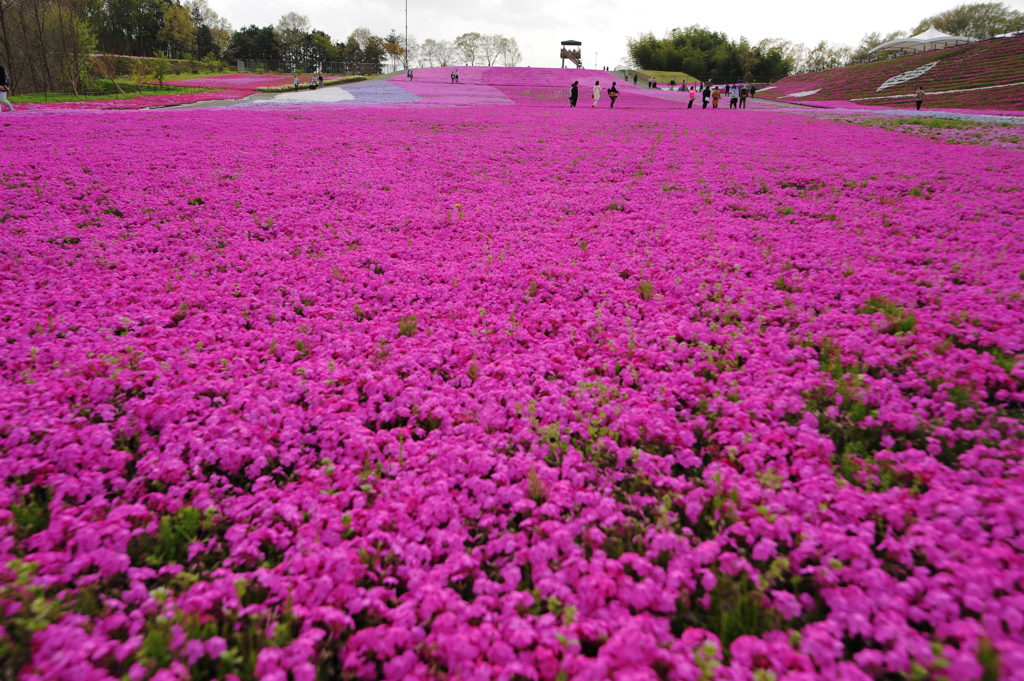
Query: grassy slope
[[667, 76]]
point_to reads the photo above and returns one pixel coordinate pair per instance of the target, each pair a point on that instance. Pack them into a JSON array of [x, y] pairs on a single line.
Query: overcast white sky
[[601, 25]]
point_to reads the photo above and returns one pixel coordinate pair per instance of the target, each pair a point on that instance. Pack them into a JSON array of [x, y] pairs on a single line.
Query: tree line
[[293, 43], [709, 55], [52, 45], [469, 48], [977, 20]]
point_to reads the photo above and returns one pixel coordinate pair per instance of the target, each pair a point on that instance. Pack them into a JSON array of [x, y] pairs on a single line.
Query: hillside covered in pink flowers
[[984, 75], [507, 391]]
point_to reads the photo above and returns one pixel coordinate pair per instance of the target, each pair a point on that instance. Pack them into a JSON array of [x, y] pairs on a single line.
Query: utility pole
[[406, 35]]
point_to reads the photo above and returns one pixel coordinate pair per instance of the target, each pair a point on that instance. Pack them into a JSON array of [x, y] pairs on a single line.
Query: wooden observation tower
[[574, 56]]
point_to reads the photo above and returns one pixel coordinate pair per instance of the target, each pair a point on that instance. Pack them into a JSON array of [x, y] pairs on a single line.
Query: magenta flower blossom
[[480, 386]]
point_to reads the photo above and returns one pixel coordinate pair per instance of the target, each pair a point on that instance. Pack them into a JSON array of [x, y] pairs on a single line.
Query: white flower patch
[[320, 95], [805, 93], [907, 75]]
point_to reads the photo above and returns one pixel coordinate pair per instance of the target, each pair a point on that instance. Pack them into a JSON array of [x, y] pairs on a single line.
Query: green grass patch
[[107, 92], [899, 320], [663, 77]]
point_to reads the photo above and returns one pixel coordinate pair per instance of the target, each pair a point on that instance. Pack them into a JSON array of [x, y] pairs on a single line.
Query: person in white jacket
[[597, 92]]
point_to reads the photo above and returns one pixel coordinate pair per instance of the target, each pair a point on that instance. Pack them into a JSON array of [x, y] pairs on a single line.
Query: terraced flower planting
[[507, 393], [980, 65], [1004, 99]]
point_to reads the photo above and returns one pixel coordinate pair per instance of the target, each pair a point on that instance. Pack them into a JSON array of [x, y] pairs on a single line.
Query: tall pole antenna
[[406, 35]]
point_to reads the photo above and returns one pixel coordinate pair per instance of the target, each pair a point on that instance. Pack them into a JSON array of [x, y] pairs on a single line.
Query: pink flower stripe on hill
[[231, 86], [508, 392], [144, 102], [241, 81]]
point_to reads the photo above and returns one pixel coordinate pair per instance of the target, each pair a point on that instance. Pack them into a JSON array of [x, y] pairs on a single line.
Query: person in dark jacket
[[706, 95], [574, 94], [5, 88], [613, 94]]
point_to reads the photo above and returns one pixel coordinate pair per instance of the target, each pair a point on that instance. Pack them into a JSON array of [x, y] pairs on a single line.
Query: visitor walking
[[705, 96], [456, 76], [574, 94], [295, 82], [693, 96], [716, 96], [919, 97], [597, 93], [452, 76], [634, 78], [5, 87], [613, 94], [319, 81], [743, 97], [753, 89], [734, 96]]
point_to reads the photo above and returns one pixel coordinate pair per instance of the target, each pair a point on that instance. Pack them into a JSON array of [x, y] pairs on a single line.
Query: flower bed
[[507, 391], [435, 87], [307, 85], [242, 81]]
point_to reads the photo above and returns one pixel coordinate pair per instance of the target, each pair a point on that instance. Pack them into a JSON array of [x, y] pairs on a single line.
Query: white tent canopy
[[932, 39]]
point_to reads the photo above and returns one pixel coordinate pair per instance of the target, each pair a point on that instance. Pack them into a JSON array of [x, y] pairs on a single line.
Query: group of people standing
[[574, 94], [709, 95], [737, 95]]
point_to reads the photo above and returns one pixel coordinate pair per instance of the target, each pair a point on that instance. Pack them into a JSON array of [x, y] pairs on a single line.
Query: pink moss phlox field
[[537, 87], [517, 392], [434, 86]]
